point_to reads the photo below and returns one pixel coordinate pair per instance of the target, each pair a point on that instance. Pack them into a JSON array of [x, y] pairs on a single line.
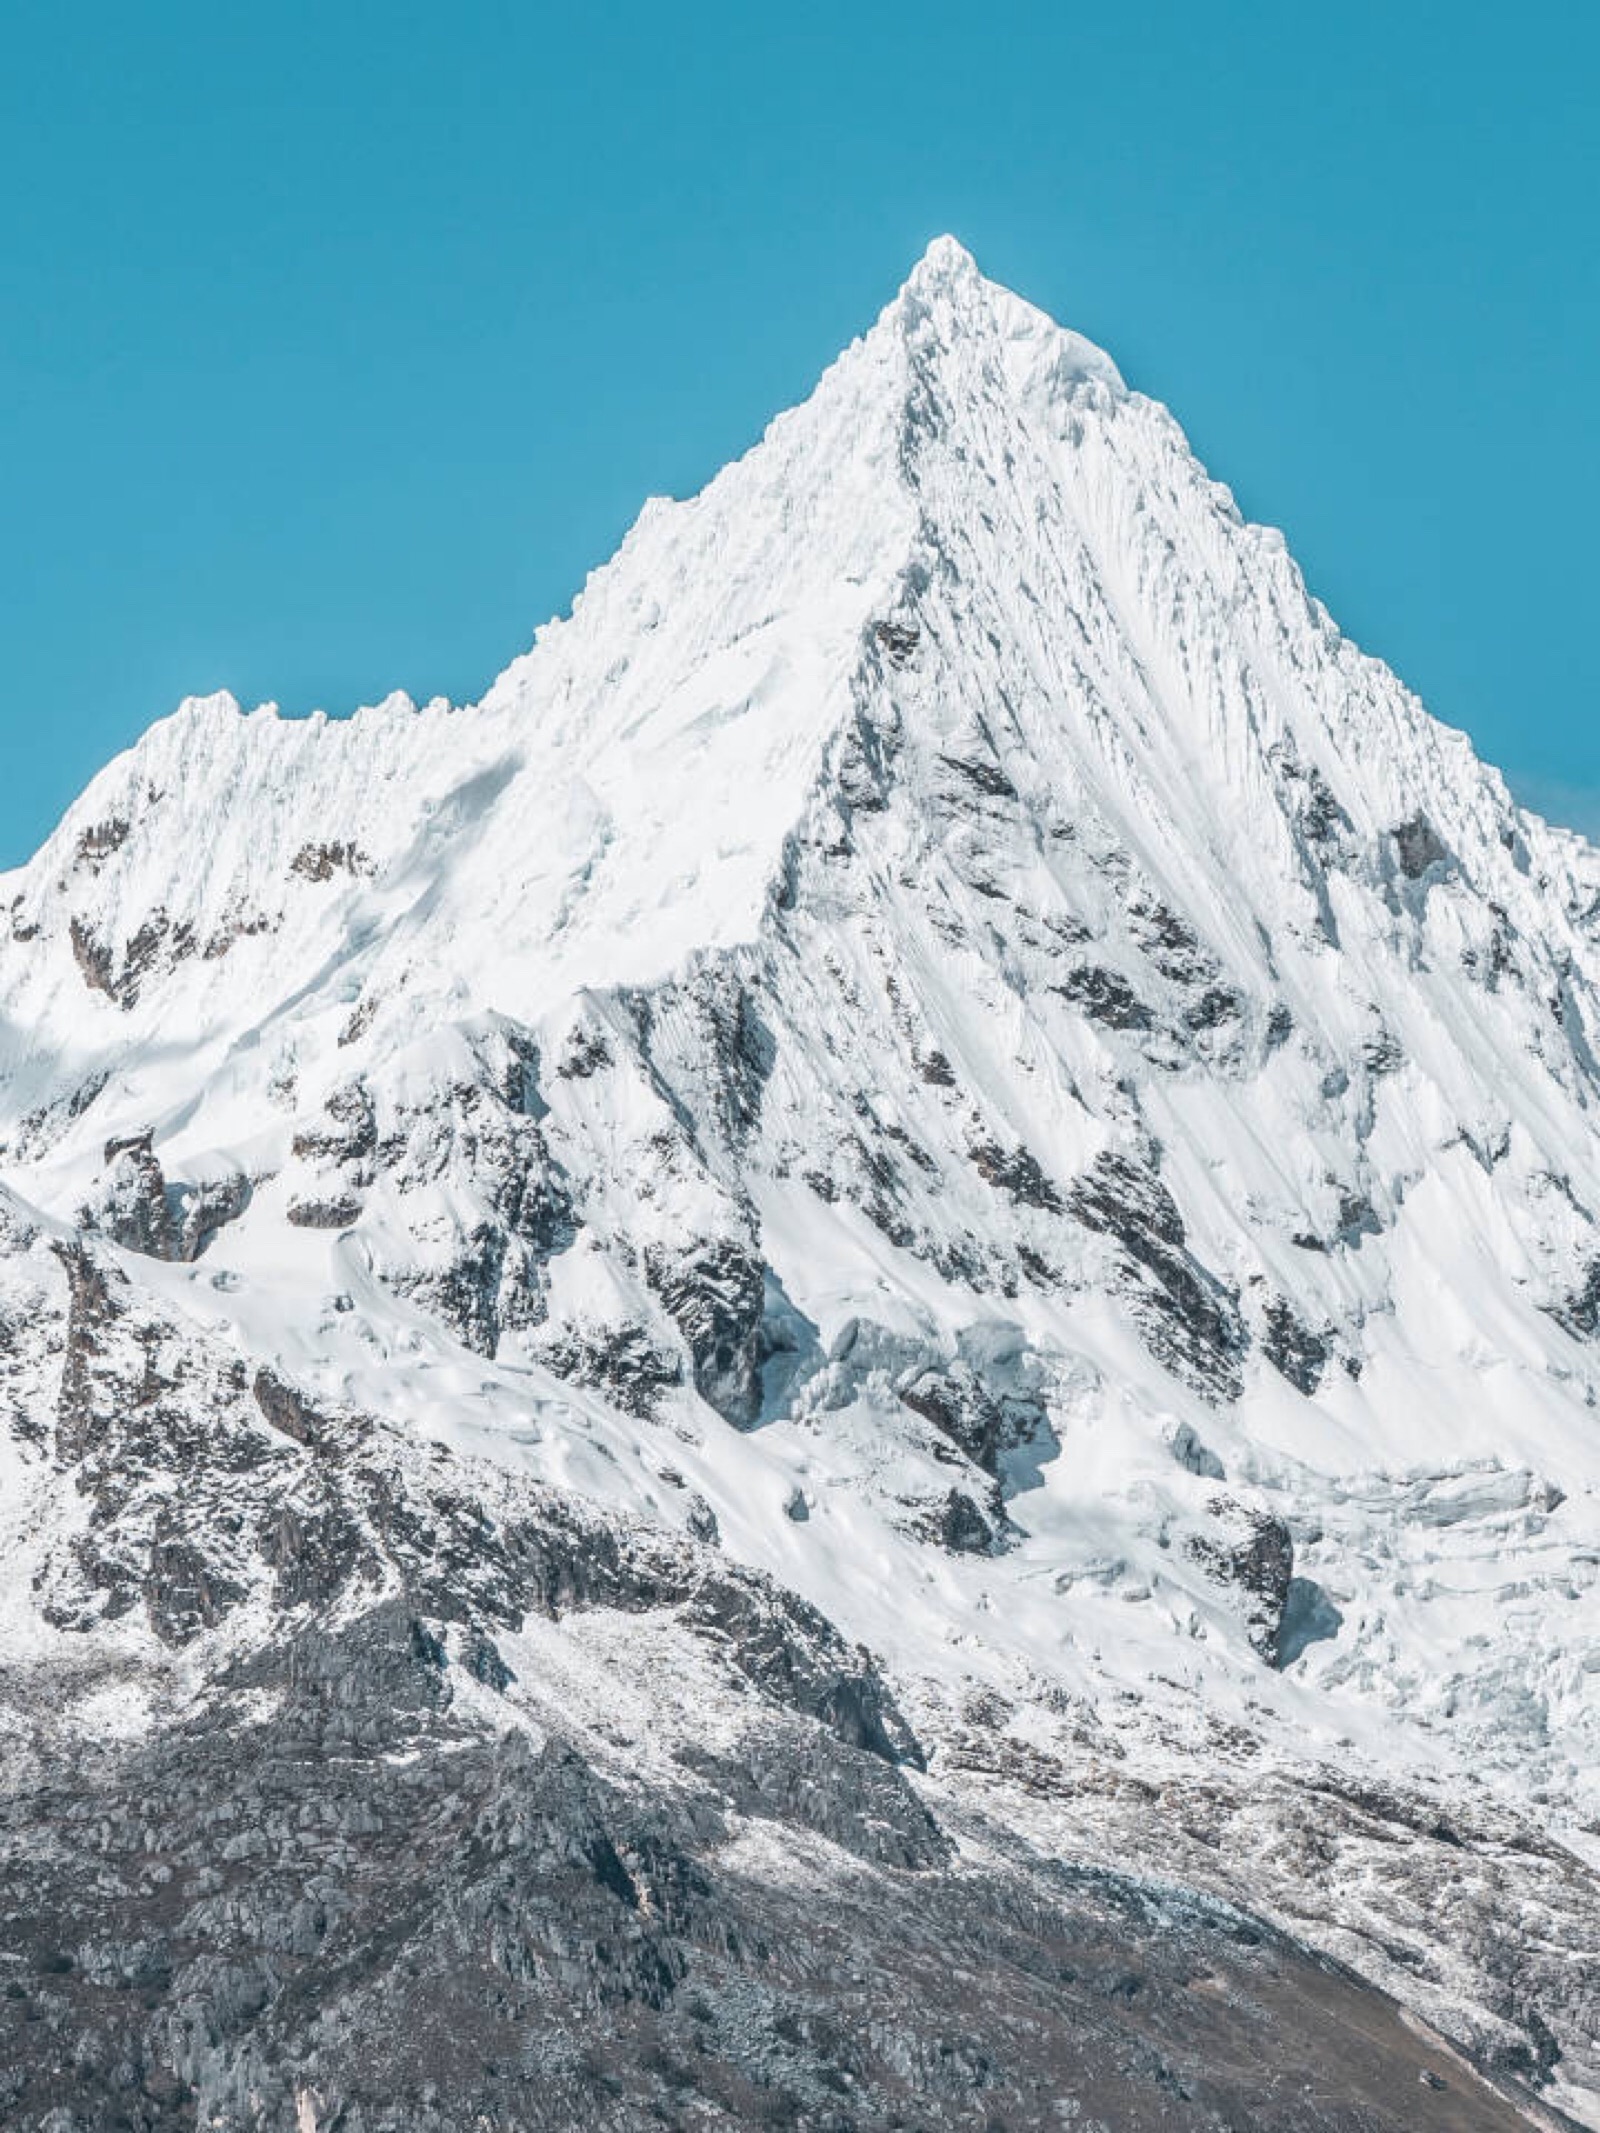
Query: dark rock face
[[320, 862], [1440, 1871], [332, 1211], [1213, 1008], [205, 1209], [287, 1409], [347, 1132], [204, 1491], [955, 1401], [1418, 846], [1322, 818], [157, 945], [1209, 1005], [1382, 1054], [1579, 1312], [983, 775], [1189, 1321], [139, 1209], [469, 1292], [82, 1419], [715, 1292], [134, 1211], [1105, 996], [93, 958], [360, 1912], [962, 1528], [623, 1362], [101, 839], [587, 1053], [783, 1773], [1292, 1348], [898, 639], [1253, 1552], [711, 1030], [987, 1411], [1016, 1172], [489, 1275]]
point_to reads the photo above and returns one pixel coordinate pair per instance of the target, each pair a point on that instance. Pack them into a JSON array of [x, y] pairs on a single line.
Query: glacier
[[981, 1134]]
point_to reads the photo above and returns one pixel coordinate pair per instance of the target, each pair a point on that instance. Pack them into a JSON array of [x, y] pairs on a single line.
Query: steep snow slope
[[946, 1033]]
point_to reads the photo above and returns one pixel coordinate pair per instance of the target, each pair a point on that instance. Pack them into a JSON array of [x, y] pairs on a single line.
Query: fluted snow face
[[946, 1010]]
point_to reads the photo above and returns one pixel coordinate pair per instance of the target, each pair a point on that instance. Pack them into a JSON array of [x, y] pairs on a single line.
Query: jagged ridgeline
[[837, 1369]]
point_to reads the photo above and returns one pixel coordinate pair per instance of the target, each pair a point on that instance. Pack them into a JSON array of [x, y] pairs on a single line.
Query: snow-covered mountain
[[945, 1121]]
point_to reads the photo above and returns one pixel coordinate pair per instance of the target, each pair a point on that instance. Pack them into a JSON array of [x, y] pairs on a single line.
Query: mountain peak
[[947, 298], [944, 1039], [946, 261]]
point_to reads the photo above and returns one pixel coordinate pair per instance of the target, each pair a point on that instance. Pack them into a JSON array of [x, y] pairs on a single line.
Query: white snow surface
[[955, 795]]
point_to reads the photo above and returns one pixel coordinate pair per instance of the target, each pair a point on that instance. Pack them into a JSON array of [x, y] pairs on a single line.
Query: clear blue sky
[[337, 342]]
